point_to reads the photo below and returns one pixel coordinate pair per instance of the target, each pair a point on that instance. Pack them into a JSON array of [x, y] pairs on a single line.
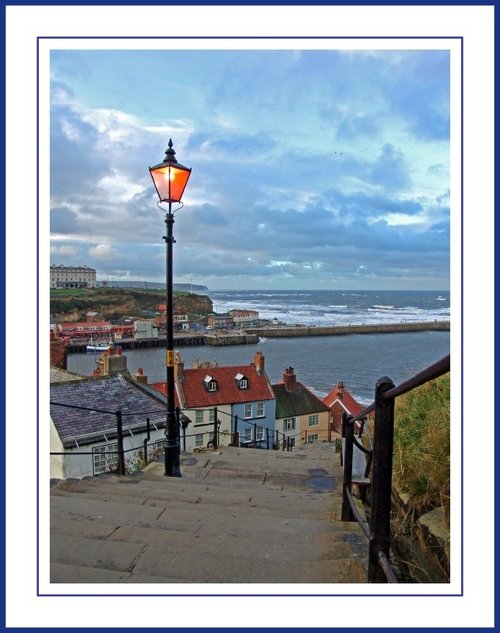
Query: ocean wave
[[317, 308]]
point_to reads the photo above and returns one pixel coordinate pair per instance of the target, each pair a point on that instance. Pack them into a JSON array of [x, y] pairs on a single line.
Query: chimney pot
[[290, 379]]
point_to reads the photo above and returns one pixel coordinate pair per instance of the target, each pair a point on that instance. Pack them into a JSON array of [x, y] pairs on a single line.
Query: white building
[[145, 330], [72, 277], [84, 424]]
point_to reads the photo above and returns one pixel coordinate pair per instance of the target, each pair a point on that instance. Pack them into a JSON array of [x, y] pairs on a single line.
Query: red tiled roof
[[342, 395], [196, 395], [162, 388], [84, 324]]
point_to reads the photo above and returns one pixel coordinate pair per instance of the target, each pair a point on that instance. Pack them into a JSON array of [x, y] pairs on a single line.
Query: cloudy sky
[[311, 168]]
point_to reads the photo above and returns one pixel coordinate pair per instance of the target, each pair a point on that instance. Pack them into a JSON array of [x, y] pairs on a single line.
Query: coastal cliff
[[115, 303]]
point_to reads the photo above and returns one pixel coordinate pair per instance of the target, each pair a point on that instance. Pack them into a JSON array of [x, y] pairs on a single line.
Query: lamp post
[[170, 179]]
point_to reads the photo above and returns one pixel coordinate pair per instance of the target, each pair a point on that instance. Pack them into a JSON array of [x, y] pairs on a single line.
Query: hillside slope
[[116, 303]]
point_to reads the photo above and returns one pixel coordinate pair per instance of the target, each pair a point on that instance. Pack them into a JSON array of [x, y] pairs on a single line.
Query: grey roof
[[63, 375], [298, 402], [99, 399]]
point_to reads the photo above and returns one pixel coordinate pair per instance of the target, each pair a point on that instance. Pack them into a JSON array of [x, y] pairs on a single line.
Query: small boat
[[98, 347]]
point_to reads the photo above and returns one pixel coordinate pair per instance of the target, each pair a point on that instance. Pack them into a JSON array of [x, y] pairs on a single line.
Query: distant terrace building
[[240, 317], [85, 329], [220, 321], [72, 277]]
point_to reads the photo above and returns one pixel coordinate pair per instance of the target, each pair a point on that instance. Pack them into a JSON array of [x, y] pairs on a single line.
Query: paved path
[[235, 516]]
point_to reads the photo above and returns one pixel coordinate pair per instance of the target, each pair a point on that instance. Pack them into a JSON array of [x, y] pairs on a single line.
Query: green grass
[[421, 465], [67, 292]]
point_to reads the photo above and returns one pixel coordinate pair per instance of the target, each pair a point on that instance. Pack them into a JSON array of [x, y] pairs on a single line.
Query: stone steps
[[235, 516]]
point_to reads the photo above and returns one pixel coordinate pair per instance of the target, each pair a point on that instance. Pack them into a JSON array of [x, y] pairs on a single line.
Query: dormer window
[[241, 381], [210, 383]]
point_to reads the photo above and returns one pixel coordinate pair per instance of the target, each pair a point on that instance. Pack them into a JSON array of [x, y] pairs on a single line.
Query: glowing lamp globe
[[170, 177]]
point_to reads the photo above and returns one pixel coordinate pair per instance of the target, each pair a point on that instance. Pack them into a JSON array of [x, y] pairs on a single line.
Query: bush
[[421, 465]]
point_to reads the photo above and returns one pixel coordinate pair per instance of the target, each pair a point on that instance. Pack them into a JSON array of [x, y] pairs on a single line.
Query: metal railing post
[[216, 430], [236, 439], [380, 520], [146, 440], [342, 435], [119, 437], [347, 450]]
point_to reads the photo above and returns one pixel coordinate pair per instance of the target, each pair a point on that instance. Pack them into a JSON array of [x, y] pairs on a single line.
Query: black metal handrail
[[380, 456]]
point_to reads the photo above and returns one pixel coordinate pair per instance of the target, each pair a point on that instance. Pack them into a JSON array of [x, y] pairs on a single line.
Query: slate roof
[[296, 403], [99, 399], [196, 394], [57, 374]]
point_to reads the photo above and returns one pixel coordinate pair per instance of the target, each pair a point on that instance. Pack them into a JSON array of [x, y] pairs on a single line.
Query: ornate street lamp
[[170, 179]]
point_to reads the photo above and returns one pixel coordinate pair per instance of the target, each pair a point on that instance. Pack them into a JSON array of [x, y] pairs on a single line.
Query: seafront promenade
[[250, 336]]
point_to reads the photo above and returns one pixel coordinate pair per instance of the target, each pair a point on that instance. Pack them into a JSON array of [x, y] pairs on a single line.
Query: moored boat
[[98, 347]]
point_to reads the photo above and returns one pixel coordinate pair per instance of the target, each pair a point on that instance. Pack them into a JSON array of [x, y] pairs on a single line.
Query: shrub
[[421, 465]]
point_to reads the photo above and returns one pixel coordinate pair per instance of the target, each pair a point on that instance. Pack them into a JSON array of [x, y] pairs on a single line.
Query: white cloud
[[118, 187], [63, 251], [102, 252]]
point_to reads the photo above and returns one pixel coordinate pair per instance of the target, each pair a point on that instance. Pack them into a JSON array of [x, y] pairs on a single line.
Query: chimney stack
[[290, 380], [140, 376], [340, 389], [178, 367], [112, 362], [58, 352], [259, 362]]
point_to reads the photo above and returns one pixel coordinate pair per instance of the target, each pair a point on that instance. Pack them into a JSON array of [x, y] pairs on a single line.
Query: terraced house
[[299, 413], [239, 398]]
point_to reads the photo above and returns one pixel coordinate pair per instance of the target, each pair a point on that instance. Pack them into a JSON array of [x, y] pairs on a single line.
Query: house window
[[198, 439], [210, 383], [105, 458], [260, 410], [211, 415], [198, 417], [241, 381], [247, 434], [313, 437], [259, 433], [289, 424], [314, 419], [248, 411]]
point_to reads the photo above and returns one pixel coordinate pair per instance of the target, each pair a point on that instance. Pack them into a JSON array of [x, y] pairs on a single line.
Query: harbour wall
[[252, 335], [335, 330]]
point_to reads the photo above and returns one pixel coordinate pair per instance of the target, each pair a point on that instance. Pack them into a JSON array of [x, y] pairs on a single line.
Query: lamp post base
[[172, 461]]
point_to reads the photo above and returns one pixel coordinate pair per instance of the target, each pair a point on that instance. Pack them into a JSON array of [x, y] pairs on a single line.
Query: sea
[[358, 360]]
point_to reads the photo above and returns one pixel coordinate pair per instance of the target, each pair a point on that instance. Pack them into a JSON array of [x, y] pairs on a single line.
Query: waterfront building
[[72, 277], [243, 317], [85, 329], [300, 414], [220, 321]]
